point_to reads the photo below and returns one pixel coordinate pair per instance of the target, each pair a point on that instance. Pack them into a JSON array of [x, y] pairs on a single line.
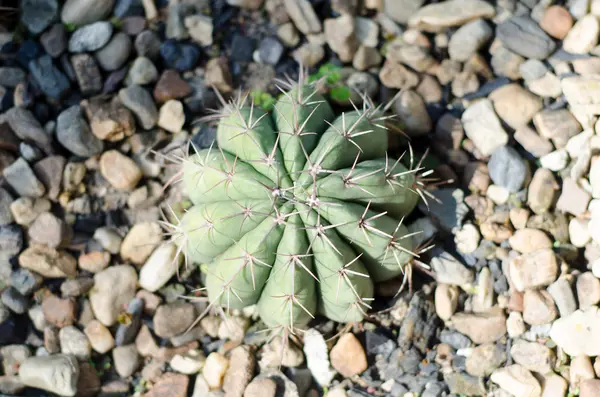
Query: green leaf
[[70, 27], [340, 93]]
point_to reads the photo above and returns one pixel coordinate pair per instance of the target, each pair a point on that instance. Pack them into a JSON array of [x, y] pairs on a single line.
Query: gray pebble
[[508, 169], [11, 76], [114, 54], [5, 200], [73, 132], [140, 102], [91, 37], [14, 300], [37, 15], [25, 281], [22, 179], [49, 78], [523, 36], [147, 44], [25, 126], [54, 40], [126, 333]]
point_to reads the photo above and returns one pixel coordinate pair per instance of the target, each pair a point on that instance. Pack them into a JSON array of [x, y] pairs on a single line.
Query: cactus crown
[[297, 211]]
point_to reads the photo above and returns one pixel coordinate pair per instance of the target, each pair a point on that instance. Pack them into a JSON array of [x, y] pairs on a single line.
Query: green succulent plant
[[297, 210]]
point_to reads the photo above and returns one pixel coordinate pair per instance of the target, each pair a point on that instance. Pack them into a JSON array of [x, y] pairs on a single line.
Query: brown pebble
[[557, 22], [170, 85], [59, 312], [348, 356], [170, 385]]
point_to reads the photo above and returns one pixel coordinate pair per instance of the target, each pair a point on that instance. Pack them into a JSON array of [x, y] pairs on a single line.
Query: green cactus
[[297, 211]]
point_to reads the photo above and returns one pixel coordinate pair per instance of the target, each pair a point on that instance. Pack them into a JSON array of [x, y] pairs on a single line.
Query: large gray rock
[[91, 37], [57, 374], [523, 36]]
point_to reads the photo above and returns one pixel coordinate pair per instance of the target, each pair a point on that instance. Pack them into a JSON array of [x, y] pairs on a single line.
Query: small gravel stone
[[74, 133], [481, 327], [57, 374], [49, 171], [348, 356], [411, 110], [449, 270], [21, 178], [14, 300], [119, 170], [515, 326], [588, 290], [517, 380], [483, 127], [533, 270], [25, 281], [126, 360], [581, 369], [573, 198], [83, 12], [74, 342], [484, 359], [49, 230], [515, 105], [533, 356], [507, 168], [114, 288], [190, 362], [542, 191], [115, 53], [529, 240], [468, 39], [557, 125], [200, 28], [48, 77], [214, 369], [139, 101], [171, 116], [171, 385], [563, 296], [87, 73], [48, 262], [446, 301], [239, 371], [557, 22], [583, 36], [173, 319], [523, 36], [538, 307], [438, 16], [574, 333], [142, 71], [59, 312], [264, 387], [99, 336], [140, 242]]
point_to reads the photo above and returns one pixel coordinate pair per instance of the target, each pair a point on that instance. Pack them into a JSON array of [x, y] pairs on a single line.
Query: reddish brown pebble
[[59, 312], [557, 22], [171, 86]]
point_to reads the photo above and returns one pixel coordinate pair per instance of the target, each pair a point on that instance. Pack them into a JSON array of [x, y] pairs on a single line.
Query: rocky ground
[[95, 95]]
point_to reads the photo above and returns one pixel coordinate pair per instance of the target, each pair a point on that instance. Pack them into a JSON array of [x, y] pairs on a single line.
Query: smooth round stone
[[37, 15], [557, 21], [91, 37], [114, 54], [83, 12]]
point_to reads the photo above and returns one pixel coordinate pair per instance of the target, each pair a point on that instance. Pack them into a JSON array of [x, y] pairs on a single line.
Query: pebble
[[557, 22], [581, 369], [534, 269], [179, 56], [517, 380], [214, 369], [10, 384], [126, 360], [563, 296], [542, 191], [588, 388], [37, 15], [140, 242], [515, 326], [467, 239], [54, 40], [48, 77], [498, 194], [59, 312], [160, 267], [12, 357], [6, 200], [583, 36], [303, 15], [264, 387], [523, 36], [87, 73], [171, 116], [460, 383], [573, 199], [114, 288], [200, 28], [171, 385], [74, 342], [91, 37], [48, 262], [468, 39], [348, 356], [515, 105], [529, 240], [141, 72], [557, 125], [119, 170], [484, 359], [56, 374], [14, 300], [240, 371], [481, 327], [139, 101], [25, 281], [556, 160], [109, 239], [83, 12], [446, 301], [127, 330], [173, 319], [49, 230], [538, 307], [483, 127], [395, 75], [25, 126], [554, 386], [340, 35], [449, 270], [188, 363], [21, 178], [109, 120], [588, 290], [115, 53], [317, 357], [309, 54], [533, 356], [101, 340], [437, 17], [74, 133], [582, 94], [507, 169]]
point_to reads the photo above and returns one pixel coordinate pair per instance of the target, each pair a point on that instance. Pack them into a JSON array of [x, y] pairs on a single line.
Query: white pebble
[[556, 160]]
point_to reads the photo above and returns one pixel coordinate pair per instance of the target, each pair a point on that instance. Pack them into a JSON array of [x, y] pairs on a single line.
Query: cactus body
[[298, 211]]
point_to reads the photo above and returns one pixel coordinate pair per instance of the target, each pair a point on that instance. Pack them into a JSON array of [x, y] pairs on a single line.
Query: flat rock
[[48, 262], [91, 37], [449, 270], [575, 333], [74, 133], [446, 14], [523, 36], [583, 36], [481, 327], [114, 288], [83, 12], [483, 127], [57, 374], [21, 178], [517, 380]]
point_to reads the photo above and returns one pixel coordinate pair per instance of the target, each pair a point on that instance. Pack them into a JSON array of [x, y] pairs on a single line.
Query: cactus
[[297, 210]]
